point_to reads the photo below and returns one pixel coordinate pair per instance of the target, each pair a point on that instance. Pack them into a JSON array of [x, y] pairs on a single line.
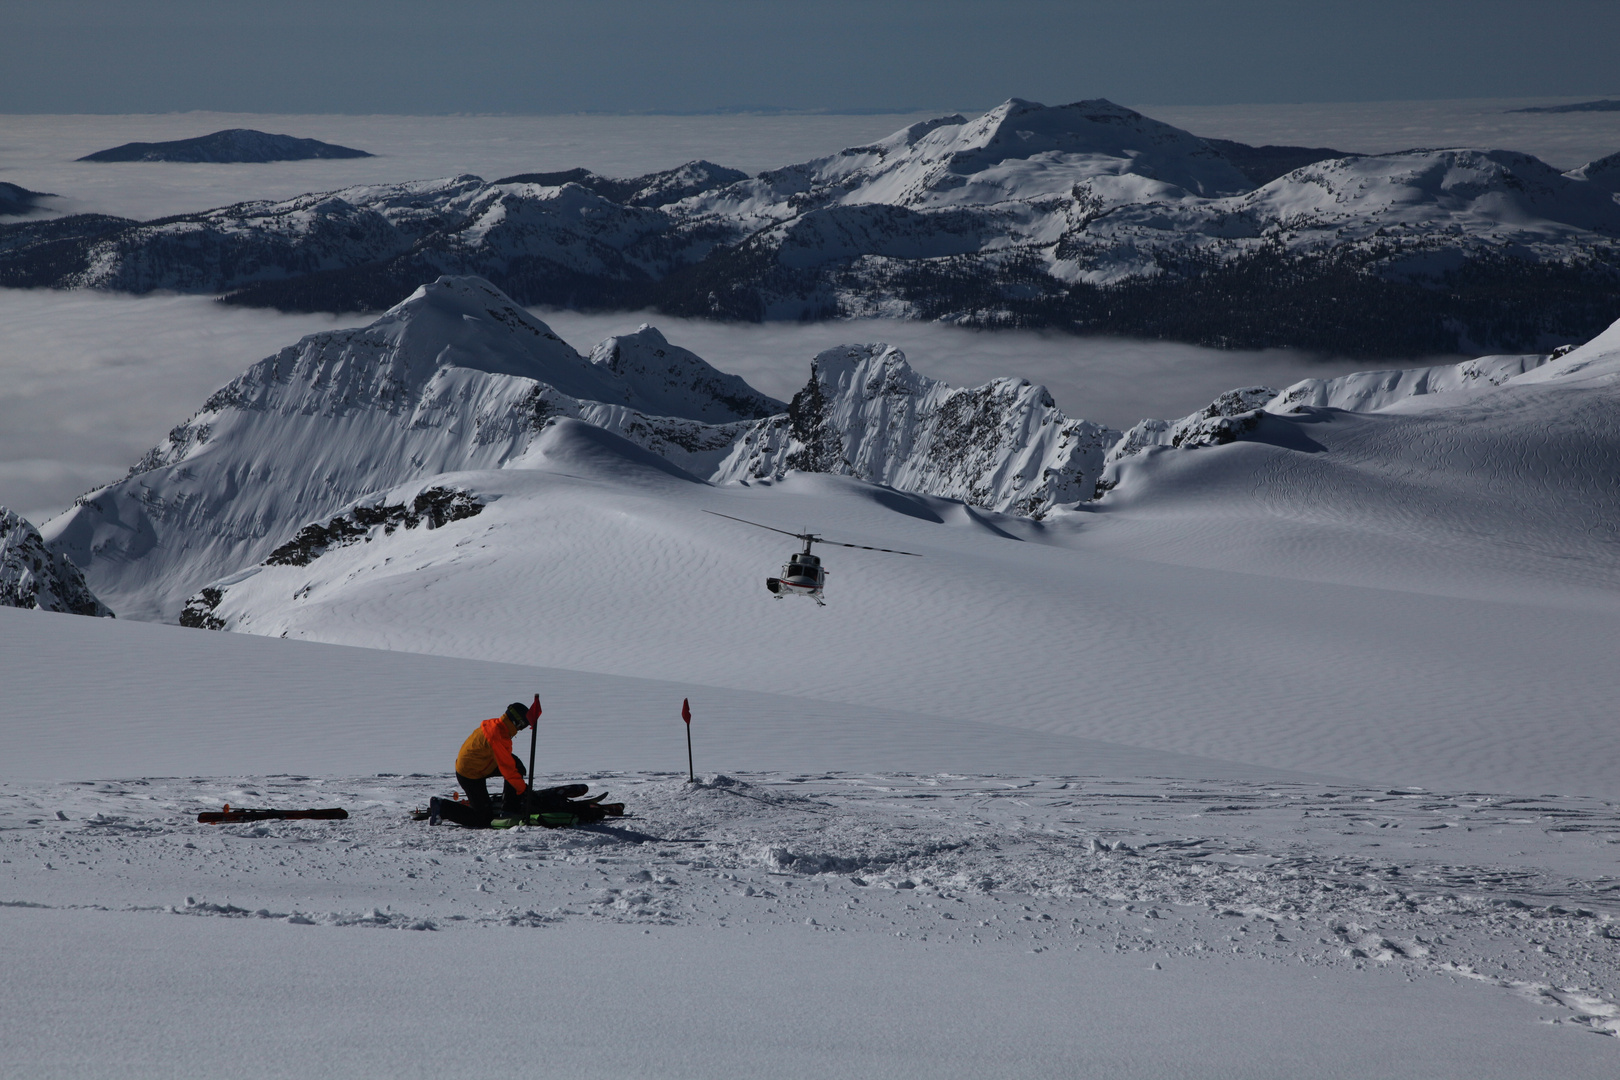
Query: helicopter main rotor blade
[[757, 525], [866, 547]]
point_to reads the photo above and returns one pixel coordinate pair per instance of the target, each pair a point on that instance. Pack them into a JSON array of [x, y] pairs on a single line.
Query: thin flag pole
[[534, 732], [686, 715]]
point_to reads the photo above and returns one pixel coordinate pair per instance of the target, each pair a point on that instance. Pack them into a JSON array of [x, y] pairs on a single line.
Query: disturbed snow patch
[[1459, 885]]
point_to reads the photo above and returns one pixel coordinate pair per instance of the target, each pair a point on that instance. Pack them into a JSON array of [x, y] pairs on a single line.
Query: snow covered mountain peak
[[1019, 129], [1477, 190], [1021, 152], [456, 377], [867, 413], [667, 380], [467, 322], [867, 372]]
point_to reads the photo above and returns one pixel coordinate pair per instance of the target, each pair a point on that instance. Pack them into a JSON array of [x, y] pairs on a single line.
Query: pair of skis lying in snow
[[552, 808], [560, 808]]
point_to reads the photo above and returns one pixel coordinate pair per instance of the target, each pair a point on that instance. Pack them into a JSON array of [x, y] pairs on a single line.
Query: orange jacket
[[488, 750]]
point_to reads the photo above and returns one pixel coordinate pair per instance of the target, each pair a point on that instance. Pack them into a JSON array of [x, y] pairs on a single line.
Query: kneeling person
[[486, 752]]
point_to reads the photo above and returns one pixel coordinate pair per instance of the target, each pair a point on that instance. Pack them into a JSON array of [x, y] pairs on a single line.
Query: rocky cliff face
[[865, 413], [32, 576]]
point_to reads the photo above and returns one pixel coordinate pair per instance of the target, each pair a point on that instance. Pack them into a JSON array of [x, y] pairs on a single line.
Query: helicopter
[[803, 574]]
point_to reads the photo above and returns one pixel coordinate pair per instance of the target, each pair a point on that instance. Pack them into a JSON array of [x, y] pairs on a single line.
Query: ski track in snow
[[1466, 885]]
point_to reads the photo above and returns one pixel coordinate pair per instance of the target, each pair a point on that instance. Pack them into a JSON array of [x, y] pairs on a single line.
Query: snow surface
[[857, 888], [1470, 532], [1054, 818]]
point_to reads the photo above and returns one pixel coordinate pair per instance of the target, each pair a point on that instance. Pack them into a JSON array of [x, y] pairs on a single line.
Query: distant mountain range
[[1086, 217], [234, 145], [1603, 105]]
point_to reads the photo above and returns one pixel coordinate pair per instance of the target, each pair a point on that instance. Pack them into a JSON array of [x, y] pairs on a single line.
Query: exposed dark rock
[[32, 576], [436, 507], [199, 611]]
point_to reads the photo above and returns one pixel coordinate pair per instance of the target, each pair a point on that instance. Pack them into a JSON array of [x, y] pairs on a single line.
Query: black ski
[[227, 815]]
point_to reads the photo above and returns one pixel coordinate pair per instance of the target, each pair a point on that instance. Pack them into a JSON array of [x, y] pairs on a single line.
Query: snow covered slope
[[1284, 598], [868, 864], [455, 377], [1473, 480], [1365, 391], [425, 485], [459, 378]]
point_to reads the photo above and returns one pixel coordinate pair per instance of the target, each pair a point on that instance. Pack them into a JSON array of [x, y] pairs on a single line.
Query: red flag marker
[[686, 715]]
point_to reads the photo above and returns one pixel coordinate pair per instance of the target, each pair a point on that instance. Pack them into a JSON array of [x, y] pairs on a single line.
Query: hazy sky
[[535, 56]]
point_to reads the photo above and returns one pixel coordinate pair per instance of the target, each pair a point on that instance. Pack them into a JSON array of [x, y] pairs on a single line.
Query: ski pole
[[686, 715], [534, 732]]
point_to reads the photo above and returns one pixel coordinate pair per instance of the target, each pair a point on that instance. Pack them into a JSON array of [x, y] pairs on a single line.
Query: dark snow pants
[[479, 809]]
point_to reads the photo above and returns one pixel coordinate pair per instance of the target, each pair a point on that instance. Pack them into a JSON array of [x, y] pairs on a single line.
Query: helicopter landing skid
[[780, 588]]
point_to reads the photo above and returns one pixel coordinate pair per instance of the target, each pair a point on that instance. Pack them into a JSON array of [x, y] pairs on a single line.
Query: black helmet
[[518, 713]]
